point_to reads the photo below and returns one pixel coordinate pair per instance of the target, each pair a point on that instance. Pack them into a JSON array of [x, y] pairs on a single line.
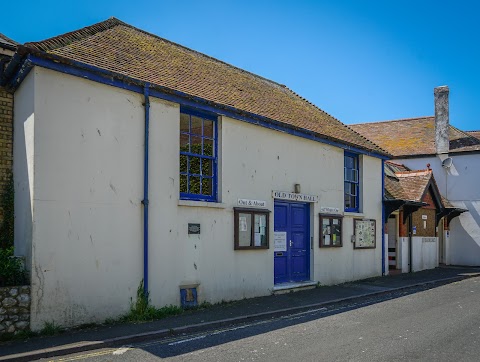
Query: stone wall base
[[14, 309]]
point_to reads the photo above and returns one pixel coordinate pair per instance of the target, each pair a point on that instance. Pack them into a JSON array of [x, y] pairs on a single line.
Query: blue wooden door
[[292, 264]]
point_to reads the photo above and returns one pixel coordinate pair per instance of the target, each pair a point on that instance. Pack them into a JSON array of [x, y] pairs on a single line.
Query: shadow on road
[[184, 344]]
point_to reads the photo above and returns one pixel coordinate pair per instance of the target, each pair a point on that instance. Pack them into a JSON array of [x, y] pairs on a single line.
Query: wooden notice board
[[365, 234]]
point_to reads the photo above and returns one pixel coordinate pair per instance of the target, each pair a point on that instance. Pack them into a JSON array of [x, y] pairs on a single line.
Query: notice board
[[365, 234]]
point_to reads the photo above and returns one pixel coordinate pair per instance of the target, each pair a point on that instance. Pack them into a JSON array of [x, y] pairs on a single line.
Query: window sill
[[353, 214], [265, 247], [191, 203]]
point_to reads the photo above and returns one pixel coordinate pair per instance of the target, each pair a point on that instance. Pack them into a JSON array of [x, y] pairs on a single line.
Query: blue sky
[[361, 61]]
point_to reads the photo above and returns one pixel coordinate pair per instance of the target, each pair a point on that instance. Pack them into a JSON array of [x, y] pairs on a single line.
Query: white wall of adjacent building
[[81, 216], [424, 253]]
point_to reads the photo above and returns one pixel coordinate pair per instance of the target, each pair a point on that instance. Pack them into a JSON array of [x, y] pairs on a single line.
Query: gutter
[[145, 190], [383, 218]]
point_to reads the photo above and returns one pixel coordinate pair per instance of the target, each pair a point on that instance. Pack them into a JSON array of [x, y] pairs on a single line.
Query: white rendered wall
[[23, 167], [424, 253], [459, 184], [88, 237], [404, 254], [252, 165]]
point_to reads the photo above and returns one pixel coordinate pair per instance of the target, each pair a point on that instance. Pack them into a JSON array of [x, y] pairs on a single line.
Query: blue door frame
[[293, 264]]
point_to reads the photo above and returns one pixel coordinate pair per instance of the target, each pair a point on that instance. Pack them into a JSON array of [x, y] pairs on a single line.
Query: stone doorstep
[[293, 287]]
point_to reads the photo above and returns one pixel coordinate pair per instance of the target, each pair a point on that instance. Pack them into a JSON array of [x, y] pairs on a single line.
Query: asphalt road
[[438, 324]]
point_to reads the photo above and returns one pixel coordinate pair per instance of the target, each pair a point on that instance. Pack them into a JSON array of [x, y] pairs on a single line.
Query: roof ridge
[[75, 35], [393, 120], [463, 132], [413, 173]]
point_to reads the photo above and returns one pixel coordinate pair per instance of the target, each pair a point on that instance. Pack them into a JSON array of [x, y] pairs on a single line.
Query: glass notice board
[[365, 234]]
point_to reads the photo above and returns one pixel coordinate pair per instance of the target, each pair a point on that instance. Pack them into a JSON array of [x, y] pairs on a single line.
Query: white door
[[392, 242]]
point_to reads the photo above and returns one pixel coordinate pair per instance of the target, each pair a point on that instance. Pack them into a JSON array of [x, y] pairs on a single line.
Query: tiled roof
[[408, 185], [401, 183], [126, 50], [397, 167], [414, 136], [475, 134], [5, 41], [447, 203]]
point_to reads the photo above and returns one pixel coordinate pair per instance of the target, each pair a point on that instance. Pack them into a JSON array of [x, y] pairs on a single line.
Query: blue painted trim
[[195, 112], [214, 158], [91, 73], [145, 191], [357, 187], [103, 76], [309, 241], [21, 74], [309, 236], [383, 218], [215, 170]]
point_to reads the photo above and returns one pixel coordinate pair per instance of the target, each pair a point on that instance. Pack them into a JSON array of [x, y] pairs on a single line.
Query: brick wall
[[6, 139], [423, 219]]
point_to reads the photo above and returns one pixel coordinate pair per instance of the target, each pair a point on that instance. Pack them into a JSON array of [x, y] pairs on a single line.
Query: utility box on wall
[[188, 296]]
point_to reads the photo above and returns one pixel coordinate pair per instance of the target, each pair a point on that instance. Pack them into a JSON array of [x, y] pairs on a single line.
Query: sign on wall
[[251, 203], [329, 210], [365, 234], [292, 196]]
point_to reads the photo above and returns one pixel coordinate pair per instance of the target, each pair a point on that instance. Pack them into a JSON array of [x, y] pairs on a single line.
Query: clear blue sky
[[361, 61]]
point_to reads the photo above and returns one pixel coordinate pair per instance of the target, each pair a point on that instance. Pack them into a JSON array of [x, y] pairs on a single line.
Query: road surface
[[438, 324]]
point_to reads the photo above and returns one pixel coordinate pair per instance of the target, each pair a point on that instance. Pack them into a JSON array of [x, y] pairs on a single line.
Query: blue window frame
[[198, 156], [351, 182]]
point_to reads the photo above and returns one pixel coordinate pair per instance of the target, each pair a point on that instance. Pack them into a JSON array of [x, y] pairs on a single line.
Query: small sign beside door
[[280, 241], [251, 203]]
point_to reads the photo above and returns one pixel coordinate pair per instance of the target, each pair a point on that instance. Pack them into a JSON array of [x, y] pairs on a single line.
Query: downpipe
[[145, 189], [383, 218]]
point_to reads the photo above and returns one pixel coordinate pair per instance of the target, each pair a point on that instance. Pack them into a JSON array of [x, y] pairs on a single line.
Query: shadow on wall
[[465, 248]]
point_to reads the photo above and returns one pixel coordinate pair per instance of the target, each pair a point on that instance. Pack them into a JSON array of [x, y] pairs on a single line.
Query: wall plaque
[[193, 228]]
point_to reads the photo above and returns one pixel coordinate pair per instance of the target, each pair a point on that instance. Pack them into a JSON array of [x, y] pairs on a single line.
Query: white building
[[136, 158], [454, 157]]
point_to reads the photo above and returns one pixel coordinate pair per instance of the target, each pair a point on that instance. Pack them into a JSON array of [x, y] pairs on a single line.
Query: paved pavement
[[224, 314]]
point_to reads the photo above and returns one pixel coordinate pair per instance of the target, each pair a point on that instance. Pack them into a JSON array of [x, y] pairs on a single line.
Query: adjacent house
[[416, 217], [454, 158], [139, 159]]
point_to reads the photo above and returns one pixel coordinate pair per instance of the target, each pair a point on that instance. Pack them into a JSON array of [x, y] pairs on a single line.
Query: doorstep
[[293, 286]]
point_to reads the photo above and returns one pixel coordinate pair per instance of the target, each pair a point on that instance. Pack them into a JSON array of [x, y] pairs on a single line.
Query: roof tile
[[404, 184], [414, 136]]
